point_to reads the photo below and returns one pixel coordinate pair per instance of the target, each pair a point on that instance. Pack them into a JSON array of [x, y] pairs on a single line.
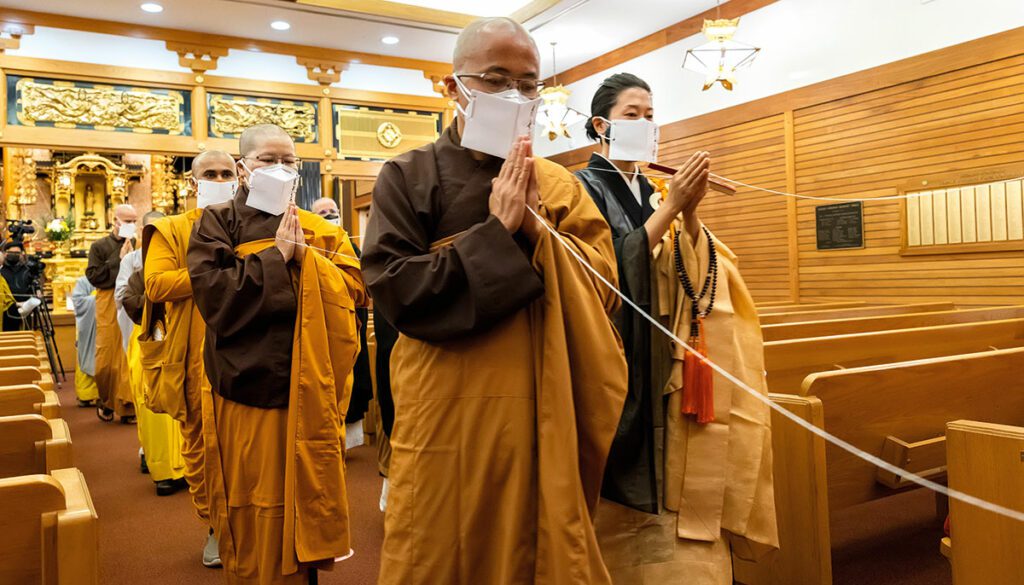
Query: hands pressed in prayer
[[127, 247], [689, 186], [288, 233], [508, 190]]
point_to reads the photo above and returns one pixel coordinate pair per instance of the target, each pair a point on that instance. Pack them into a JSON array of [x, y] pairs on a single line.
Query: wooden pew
[[22, 359], [895, 411], [810, 307], [17, 375], [32, 444], [49, 528], [782, 331], [25, 349], [29, 399], [986, 460], [853, 312], [789, 362]]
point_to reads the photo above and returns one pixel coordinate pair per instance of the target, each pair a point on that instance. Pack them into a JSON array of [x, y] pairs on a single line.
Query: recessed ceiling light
[[152, 7], [389, 40], [280, 25]]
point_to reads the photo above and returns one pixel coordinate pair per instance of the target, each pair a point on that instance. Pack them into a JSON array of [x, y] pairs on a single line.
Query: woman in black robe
[[638, 220]]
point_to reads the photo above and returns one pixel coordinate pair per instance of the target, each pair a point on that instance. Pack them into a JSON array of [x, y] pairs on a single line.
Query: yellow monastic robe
[[6, 299], [111, 363], [159, 434], [505, 432], [165, 247], [286, 508], [85, 386], [716, 485]]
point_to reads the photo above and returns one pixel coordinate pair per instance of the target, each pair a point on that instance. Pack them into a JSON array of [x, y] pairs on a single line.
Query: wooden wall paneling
[[792, 246], [752, 224], [868, 144]]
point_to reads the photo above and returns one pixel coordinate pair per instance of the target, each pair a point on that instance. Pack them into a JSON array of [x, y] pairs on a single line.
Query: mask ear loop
[[466, 92]]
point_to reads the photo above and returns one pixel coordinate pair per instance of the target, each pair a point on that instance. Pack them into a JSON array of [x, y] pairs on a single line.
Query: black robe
[[631, 475]]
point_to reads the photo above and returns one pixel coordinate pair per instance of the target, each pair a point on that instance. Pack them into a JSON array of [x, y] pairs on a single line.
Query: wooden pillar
[[791, 210]]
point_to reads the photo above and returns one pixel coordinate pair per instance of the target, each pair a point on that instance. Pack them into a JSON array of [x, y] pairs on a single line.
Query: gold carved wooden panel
[[367, 133], [231, 114], [91, 106]]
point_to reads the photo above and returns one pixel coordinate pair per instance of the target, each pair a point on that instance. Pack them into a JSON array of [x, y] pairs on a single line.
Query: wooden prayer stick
[[713, 184]]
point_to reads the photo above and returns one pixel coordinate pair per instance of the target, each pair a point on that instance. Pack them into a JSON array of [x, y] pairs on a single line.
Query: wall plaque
[[840, 226]]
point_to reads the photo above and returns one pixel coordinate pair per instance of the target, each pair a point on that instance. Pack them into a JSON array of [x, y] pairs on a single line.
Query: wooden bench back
[[800, 330], [854, 312], [808, 307], [789, 362], [18, 350], [16, 375], [986, 460], [23, 444], [21, 399], [28, 507], [912, 402], [24, 359]]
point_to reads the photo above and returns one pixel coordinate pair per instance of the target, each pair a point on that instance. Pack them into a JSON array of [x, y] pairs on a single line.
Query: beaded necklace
[[710, 282], [698, 379]]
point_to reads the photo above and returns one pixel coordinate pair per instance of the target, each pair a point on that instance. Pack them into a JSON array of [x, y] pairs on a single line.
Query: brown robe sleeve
[[233, 292], [439, 295], [135, 297], [104, 262]]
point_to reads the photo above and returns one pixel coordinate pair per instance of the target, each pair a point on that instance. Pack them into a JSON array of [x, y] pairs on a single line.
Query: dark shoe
[[168, 487], [142, 464], [104, 414], [87, 403], [128, 420]]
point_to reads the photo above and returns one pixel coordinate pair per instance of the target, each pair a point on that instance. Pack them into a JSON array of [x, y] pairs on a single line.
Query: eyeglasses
[[269, 159], [497, 82]]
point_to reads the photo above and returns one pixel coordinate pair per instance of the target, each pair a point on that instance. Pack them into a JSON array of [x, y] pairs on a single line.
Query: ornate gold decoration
[[322, 71], [86, 205], [365, 133], [389, 135], [198, 58], [25, 188], [231, 115], [164, 183], [11, 33], [68, 105]]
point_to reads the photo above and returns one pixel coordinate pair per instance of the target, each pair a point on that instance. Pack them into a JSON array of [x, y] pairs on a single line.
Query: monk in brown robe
[[181, 382], [277, 289], [111, 364], [508, 378]]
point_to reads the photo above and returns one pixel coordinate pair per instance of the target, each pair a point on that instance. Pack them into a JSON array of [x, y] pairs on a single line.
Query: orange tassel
[[698, 381]]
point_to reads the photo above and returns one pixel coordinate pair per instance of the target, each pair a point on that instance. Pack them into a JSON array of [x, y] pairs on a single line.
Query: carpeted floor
[[145, 539]]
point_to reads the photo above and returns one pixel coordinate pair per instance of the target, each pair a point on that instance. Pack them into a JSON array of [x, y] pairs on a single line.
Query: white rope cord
[[829, 437], [796, 195]]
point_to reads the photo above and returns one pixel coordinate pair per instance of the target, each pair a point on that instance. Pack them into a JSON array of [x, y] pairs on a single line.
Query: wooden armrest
[[59, 454], [77, 532], [925, 458]]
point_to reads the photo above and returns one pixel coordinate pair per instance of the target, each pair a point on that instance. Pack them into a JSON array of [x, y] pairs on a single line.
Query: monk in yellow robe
[[689, 483], [180, 384], [111, 365], [508, 377], [83, 299], [277, 289], [159, 434]]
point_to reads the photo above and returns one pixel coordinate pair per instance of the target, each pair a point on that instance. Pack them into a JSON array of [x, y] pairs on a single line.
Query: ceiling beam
[[28, 17], [659, 39], [396, 10]]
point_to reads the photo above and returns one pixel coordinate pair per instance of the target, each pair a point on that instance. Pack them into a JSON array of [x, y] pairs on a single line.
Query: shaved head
[[151, 216], [126, 213], [254, 137], [325, 206], [478, 34], [210, 157]]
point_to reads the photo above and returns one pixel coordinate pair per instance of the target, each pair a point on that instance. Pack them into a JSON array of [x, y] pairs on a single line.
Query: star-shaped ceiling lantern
[[719, 59]]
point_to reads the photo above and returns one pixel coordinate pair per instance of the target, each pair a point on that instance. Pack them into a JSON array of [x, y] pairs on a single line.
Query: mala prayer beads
[[698, 378]]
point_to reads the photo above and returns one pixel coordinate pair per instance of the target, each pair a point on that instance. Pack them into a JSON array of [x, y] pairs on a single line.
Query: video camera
[[19, 228]]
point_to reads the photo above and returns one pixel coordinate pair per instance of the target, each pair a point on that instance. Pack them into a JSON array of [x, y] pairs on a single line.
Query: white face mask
[[213, 192], [633, 140], [493, 121], [333, 218], [272, 188], [126, 230]]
